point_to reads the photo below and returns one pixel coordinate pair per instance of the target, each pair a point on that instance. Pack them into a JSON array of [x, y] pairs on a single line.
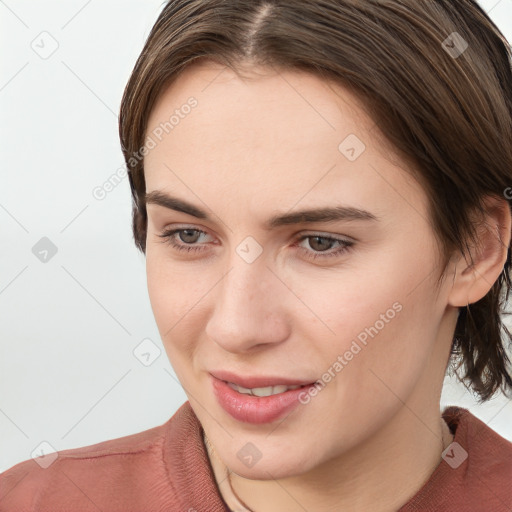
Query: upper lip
[[257, 381]]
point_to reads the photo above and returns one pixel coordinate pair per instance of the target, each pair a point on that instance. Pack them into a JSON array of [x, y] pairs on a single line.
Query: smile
[[261, 392]]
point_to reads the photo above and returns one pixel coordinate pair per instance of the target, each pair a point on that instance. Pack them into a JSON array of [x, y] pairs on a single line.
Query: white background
[[68, 375]]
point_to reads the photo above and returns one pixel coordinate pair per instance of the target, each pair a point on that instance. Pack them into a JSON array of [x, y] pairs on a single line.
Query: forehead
[[288, 130], [268, 94]]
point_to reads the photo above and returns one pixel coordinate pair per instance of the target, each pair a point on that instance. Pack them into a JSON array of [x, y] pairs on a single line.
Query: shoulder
[[491, 454], [475, 471], [90, 475]]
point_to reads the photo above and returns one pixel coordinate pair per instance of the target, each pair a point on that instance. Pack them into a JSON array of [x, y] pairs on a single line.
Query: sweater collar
[[188, 467], [191, 475]]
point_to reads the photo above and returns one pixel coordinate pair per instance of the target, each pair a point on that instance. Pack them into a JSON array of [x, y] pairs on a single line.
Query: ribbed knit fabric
[[161, 469], [481, 483], [166, 468]]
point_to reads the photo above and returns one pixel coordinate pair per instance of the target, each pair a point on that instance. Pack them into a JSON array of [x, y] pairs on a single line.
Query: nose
[[249, 308]]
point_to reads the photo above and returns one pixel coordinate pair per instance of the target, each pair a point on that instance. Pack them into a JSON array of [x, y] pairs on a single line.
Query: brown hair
[[445, 108]]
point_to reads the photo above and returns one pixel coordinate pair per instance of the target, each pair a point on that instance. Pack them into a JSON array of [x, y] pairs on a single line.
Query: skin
[[256, 147]]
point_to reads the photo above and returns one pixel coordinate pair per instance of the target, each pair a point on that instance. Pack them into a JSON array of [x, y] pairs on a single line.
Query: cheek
[[380, 322], [169, 293], [162, 294], [168, 285], [344, 305], [169, 302], [178, 300], [372, 364]]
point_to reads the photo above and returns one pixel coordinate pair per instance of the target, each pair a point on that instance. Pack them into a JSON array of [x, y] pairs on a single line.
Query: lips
[[251, 382], [264, 391], [257, 410]]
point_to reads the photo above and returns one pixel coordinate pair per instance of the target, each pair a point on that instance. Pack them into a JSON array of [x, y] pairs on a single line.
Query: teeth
[[267, 391]]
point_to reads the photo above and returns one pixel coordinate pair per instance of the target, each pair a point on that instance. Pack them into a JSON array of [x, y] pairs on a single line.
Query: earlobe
[[473, 280]]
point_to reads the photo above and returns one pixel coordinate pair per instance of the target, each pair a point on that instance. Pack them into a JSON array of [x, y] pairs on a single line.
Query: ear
[[471, 282]]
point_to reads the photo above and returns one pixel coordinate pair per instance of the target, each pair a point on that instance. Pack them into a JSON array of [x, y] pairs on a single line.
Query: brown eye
[[321, 243], [320, 246], [188, 237]]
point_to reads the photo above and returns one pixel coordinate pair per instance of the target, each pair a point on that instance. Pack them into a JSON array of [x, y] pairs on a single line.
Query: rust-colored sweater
[[167, 469]]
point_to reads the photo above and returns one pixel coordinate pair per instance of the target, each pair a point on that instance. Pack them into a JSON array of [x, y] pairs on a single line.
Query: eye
[[188, 236], [319, 243]]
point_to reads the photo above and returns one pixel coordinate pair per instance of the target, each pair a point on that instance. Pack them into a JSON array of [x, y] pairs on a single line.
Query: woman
[[320, 190]]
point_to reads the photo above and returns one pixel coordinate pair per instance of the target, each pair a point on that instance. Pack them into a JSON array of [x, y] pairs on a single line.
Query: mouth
[[258, 399], [260, 382], [264, 391]]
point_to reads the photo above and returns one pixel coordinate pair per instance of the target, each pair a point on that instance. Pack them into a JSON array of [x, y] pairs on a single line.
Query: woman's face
[[347, 299]]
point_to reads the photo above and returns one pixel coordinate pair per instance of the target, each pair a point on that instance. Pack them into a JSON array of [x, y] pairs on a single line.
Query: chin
[[278, 467]]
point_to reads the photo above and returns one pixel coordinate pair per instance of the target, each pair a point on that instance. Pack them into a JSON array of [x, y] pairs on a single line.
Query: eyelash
[[168, 238]]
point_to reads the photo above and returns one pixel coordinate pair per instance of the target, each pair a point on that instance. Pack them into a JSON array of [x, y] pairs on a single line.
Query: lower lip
[[254, 409]]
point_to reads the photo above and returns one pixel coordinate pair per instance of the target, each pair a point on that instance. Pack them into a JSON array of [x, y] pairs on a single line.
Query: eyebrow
[[328, 214]]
